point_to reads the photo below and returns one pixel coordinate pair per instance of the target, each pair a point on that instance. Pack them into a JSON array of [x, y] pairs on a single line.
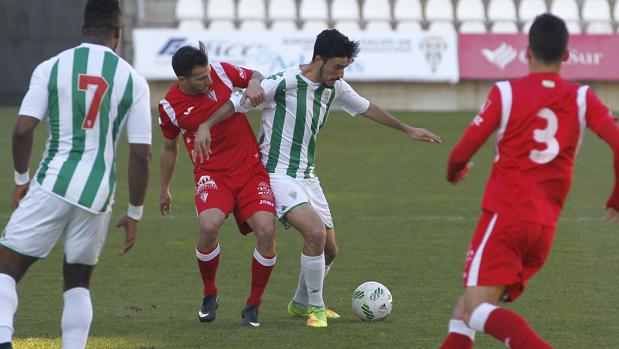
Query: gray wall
[[32, 31]]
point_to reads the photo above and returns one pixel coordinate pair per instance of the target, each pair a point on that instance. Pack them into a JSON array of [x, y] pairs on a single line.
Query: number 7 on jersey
[[101, 87]]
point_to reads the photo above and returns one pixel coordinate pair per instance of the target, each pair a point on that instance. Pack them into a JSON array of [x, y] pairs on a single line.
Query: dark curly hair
[[331, 43]]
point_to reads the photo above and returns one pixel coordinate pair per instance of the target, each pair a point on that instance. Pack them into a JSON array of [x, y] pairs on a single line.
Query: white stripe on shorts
[[471, 280]]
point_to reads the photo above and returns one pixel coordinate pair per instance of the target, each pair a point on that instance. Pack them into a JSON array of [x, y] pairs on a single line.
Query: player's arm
[[236, 104], [604, 124], [202, 140], [167, 164], [478, 132], [22, 148], [377, 114], [254, 91], [139, 135]]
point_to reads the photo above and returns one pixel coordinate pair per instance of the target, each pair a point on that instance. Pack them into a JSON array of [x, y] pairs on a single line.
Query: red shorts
[[243, 194], [506, 251]]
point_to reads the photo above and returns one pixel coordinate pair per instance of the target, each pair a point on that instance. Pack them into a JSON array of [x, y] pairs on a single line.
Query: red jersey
[[541, 120], [234, 147]]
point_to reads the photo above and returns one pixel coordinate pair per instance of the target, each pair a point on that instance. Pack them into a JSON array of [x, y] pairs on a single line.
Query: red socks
[[208, 261], [506, 326], [261, 268]]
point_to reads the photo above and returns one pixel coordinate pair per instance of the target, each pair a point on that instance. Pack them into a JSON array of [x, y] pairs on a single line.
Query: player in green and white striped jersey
[[298, 101], [89, 94]]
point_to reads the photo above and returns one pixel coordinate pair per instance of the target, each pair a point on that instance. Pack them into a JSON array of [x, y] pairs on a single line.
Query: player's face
[[199, 80], [332, 70]]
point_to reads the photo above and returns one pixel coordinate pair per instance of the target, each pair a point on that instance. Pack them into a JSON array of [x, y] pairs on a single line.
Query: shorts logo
[[266, 202], [205, 182], [264, 190], [283, 208], [293, 195], [203, 196]]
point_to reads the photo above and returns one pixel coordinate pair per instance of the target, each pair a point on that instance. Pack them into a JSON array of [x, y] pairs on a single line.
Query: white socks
[[76, 318], [8, 307], [459, 327], [313, 272], [480, 315], [300, 296]]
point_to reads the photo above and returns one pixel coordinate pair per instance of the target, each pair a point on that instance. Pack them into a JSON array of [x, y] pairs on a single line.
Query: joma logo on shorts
[[266, 202]]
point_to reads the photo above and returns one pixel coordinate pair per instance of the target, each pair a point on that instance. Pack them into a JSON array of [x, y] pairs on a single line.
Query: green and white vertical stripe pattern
[[78, 164], [291, 124]]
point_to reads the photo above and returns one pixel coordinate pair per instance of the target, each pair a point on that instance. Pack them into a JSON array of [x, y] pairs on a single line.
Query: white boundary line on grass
[[461, 218]]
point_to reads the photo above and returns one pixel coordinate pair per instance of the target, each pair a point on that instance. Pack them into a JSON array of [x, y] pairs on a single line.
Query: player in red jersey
[[540, 119], [233, 180]]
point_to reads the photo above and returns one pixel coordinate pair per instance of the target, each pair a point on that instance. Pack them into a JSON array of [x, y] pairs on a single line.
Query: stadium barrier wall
[[416, 72]]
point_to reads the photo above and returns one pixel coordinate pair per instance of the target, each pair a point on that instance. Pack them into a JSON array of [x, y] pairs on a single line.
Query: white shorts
[[291, 192], [41, 218]]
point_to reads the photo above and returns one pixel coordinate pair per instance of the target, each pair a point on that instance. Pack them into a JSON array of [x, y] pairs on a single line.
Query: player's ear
[[83, 29], [566, 55], [529, 53]]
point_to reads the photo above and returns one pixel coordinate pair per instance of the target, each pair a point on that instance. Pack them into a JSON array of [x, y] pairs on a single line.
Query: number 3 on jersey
[[101, 87], [547, 137]]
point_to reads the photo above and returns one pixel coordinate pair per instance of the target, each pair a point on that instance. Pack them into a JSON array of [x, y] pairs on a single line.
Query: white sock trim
[[480, 315], [76, 290], [313, 262], [208, 257], [267, 262], [8, 278], [459, 327]]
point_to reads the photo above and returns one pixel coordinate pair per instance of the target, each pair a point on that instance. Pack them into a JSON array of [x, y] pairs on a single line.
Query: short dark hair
[[187, 58], [331, 43], [548, 38], [102, 17]]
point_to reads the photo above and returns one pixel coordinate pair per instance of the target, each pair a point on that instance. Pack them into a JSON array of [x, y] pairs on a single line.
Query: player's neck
[[309, 72], [536, 67], [96, 40]]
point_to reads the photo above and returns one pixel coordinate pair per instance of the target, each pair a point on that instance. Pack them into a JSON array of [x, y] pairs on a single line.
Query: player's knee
[[208, 230], [315, 237], [265, 231]]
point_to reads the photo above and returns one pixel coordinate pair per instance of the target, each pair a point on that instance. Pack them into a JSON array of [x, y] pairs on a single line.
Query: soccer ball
[[371, 301]]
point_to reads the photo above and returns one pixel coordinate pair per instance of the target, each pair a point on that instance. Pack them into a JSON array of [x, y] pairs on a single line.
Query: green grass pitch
[[397, 222]]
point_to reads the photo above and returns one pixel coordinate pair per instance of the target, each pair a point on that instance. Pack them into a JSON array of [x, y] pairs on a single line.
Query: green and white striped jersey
[[294, 112], [89, 94]]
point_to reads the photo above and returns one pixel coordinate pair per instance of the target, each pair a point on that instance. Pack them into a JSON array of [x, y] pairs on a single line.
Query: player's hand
[[18, 194], [254, 93], [165, 202], [612, 216], [202, 144], [460, 176], [131, 230], [423, 135]]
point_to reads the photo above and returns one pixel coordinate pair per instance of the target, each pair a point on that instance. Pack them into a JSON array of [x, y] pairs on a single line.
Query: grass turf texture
[[397, 222]]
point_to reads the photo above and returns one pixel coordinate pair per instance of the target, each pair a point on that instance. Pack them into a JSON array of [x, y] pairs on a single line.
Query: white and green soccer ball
[[372, 301]]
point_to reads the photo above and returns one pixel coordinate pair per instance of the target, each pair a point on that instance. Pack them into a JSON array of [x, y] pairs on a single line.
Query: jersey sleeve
[[598, 116], [139, 127], [349, 100], [239, 76], [35, 102], [487, 120], [166, 115]]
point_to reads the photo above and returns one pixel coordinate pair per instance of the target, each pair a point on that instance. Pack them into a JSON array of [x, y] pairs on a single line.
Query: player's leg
[[30, 234], [305, 219], [483, 315], [84, 238], [263, 262], [207, 256], [13, 266], [214, 201], [459, 336], [77, 312], [330, 254]]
